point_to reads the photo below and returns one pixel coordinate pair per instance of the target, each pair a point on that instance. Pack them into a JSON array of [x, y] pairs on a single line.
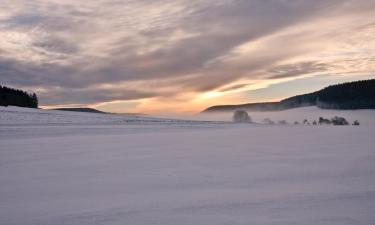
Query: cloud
[[233, 87], [149, 49], [90, 96], [297, 69]]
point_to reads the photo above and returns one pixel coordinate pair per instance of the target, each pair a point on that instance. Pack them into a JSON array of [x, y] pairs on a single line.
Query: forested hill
[[353, 95], [89, 110], [15, 97]]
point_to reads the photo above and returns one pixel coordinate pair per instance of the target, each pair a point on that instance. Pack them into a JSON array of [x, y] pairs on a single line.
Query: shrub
[[356, 123], [323, 121], [282, 122], [241, 116], [339, 121], [268, 121]]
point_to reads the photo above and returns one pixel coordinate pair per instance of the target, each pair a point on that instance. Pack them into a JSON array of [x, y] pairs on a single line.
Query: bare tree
[[241, 116]]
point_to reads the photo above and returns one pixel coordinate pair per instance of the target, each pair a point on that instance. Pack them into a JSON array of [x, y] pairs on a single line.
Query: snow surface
[[28, 116], [66, 168]]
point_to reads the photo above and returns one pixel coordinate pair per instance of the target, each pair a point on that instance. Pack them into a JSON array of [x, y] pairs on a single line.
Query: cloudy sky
[[182, 55]]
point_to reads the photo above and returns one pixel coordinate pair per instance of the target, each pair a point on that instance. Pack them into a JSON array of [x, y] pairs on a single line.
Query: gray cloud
[[57, 45], [90, 96], [233, 87], [297, 69]]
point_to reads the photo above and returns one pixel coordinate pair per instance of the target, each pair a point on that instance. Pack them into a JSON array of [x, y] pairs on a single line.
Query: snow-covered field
[[28, 116], [65, 168]]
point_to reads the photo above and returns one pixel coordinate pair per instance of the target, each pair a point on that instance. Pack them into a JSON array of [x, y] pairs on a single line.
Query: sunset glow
[[182, 56]]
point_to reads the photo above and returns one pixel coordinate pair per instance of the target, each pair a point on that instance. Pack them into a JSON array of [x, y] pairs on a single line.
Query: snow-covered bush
[[268, 121], [323, 121], [282, 122], [241, 116], [339, 121], [356, 123]]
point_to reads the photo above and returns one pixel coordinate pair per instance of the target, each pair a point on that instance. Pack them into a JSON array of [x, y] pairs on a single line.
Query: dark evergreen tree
[[16, 97], [34, 100]]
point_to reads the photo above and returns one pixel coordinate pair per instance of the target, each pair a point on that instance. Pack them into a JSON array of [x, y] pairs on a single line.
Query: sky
[[157, 56]]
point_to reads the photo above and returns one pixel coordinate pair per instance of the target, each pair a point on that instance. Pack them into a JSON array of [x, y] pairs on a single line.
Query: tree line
[[353, 95], [16, 97]]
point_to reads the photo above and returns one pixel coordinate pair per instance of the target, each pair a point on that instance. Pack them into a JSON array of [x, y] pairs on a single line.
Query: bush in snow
[[241, 116], [356, 123], [282, 122], [314, 122], [339, 121], [323, 121], [296, 123], [268, 121]]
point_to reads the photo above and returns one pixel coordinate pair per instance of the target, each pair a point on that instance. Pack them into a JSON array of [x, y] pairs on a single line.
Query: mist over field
[[291, 116]]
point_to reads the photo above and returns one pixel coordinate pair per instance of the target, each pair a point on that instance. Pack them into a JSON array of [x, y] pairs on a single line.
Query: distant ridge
[[89, 110], [352, 95]]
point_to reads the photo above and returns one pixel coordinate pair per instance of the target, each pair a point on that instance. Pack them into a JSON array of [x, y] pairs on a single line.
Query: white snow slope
[[90, 173]]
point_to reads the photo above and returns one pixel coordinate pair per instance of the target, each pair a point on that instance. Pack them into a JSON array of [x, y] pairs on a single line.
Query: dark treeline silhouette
[[89, 110], [353, 95], [15, 97]]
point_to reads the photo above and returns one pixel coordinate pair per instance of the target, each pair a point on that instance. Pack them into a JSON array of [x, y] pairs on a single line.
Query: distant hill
[[353, 95], [15, 97], [89, 110]]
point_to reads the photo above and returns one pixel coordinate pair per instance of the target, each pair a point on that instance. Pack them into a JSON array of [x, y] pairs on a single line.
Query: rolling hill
[[89, 110]]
